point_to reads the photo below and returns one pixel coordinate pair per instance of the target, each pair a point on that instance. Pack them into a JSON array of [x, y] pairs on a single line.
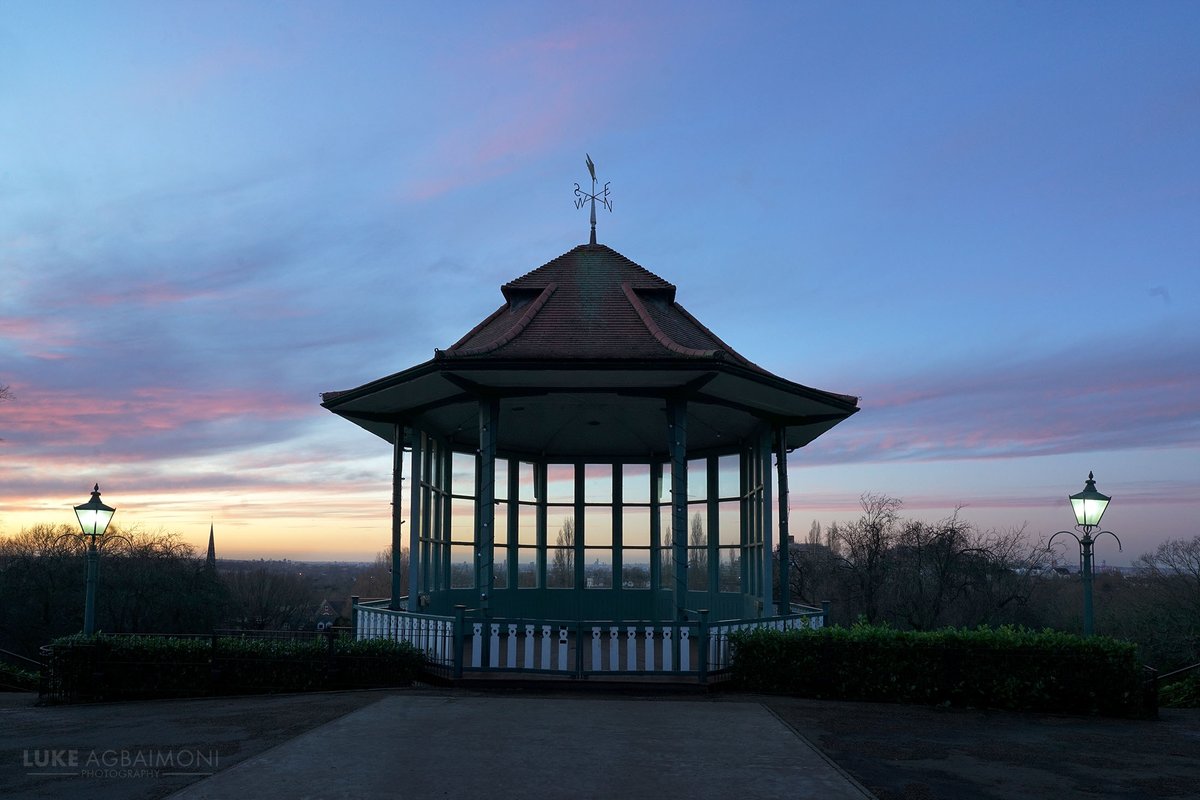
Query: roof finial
[[582, 197]]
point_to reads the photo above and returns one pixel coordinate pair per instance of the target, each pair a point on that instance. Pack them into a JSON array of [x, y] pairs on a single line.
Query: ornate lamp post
[[93, 517], [1089, 506]]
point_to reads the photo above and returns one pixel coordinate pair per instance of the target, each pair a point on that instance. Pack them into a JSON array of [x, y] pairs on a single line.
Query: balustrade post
[[459, 632], [578, 649], [485, 639], [702, 647]]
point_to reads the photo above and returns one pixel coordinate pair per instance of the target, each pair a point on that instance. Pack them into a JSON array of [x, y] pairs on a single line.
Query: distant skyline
[[978, 218]]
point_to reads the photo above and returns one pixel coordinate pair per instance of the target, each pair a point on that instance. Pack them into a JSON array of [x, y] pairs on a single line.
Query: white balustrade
[[494, 646], [563, 634], [647, 647], [596, 665], [476, 644]]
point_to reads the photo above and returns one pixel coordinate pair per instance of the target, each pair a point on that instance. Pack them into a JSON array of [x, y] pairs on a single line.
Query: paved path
[[411, 744], [446, 743], [421, 746]]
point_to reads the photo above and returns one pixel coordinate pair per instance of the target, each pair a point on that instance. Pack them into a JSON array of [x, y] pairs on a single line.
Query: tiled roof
[[590, 303]]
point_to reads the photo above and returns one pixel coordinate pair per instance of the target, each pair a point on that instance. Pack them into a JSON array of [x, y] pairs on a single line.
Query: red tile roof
[[591, 303]]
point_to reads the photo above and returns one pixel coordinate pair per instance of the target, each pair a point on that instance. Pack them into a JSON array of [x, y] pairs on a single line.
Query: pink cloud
[[200, 72], [44, 337], [1143, 399], [79, 419], [552, 100]]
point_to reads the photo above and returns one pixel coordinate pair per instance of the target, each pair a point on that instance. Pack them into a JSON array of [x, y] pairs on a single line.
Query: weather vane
[[582, 197]]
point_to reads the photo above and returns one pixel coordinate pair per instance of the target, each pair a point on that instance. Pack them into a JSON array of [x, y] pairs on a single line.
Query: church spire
[[210, 563]]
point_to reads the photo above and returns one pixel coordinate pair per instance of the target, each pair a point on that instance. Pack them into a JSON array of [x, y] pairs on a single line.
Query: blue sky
[[978, 217]]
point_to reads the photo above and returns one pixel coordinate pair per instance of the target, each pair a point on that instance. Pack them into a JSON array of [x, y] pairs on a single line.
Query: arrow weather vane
[[582, 197]]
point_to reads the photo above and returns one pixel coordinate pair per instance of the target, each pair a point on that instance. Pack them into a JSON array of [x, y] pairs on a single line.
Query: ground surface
[[915, 753], [898, 752]]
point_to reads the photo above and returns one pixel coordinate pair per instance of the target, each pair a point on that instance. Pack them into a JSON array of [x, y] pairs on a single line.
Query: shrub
[[1182, 693], [15, 679], [152, 666], [1010, 668]]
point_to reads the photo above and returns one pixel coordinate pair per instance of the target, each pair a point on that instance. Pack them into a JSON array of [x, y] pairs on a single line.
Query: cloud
[[554, 82], [143, 423], [1123, 397]]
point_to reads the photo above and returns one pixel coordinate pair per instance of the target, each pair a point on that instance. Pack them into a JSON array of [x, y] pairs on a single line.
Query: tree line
[[879, 568], [154, 582], [882, 568]]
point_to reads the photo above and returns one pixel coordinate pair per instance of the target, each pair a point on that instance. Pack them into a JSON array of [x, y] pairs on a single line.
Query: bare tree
[[155, 582], [5, 394], [147, 582], [812, 573], [931, 570], [41, 585], [1171, 583], [562, 566], [262, 598], [376, 580], [949, 573], [697, 554], [864, 550]]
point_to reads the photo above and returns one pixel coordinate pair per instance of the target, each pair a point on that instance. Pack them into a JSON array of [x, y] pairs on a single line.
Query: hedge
[[103, 666], [1007, 668], [1181, 693], [15, 679]]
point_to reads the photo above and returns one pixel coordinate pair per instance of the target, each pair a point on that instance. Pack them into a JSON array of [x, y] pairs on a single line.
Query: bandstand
[[584, 482]]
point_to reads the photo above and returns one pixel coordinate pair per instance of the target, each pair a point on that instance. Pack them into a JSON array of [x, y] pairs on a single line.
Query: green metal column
[[445, 457], [656, 541], [712, 521], [768, 594], [89, 599], [1085, 557], [580, 581], [416, 514], [397, 521], [785, 545], [678, 447], [431, 569], [513, 509], [489, 417], [618, 542], [745, 540]]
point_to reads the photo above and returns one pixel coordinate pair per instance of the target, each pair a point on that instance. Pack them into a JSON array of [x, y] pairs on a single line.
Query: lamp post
[[93, 518], [1089, 506]]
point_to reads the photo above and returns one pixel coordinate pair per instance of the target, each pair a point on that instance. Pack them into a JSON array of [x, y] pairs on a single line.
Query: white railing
[[431, 634], [567, 647], [581, 648], [720, 655]]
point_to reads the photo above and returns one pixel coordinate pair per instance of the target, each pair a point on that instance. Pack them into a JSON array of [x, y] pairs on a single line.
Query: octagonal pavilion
[[588, 453]]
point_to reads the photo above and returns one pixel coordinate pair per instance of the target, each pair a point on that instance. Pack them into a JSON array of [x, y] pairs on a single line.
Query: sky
[[980, 218]]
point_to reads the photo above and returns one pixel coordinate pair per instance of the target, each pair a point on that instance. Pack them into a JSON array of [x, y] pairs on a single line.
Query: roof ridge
[[508, 336], [725, 348], [658, 333]]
